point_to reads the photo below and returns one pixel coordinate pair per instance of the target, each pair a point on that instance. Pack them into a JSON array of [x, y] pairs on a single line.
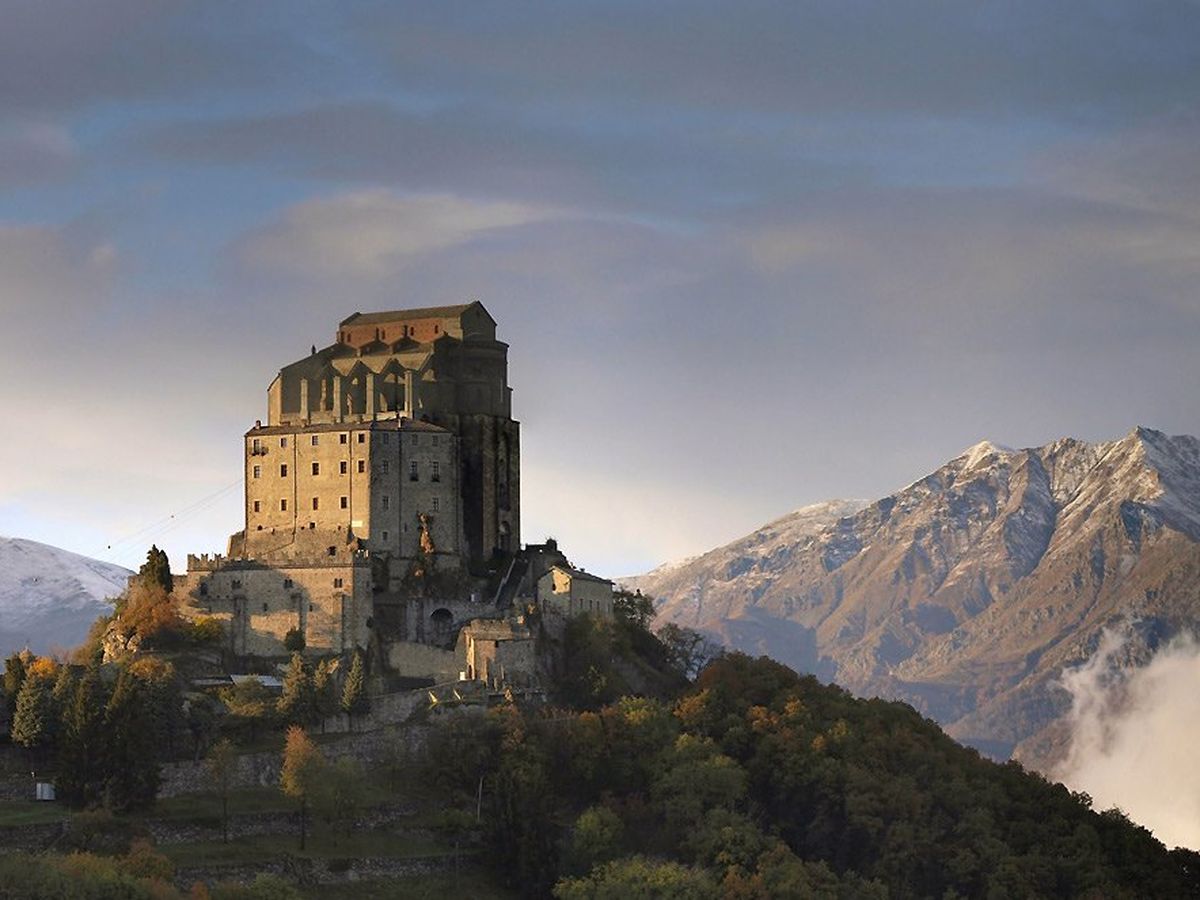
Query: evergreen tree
[[325, 690], [354, 694], [156, 570], [33, 723], [298, 703], [81, 767], [133, 747], [14, 678]]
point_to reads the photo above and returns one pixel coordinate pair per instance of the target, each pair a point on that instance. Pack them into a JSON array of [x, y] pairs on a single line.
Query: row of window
[[257, 446], [344, 503], [435, 472]]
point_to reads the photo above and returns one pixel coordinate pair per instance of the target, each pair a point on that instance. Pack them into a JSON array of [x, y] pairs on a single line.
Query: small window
[[437, 328], [362, 437], [343, 438], [316, 468], [337, 582], [416, 440], [412, 470], [316, 439], [384, 467], [237, 584], [437, 471], [385, 537], [283, 505], [316, 502], [345, 503], [283, 442], [258, 471], [265, 607], [362, 466], [386, 501], [311, 607], [342, 467], [287, 583], [258, 506], [257, 447], [436, 504], [283, 471], [437, 440], [204, 590]]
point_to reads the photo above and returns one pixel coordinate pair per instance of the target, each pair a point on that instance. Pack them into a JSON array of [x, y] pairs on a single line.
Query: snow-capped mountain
[[50, 597], [968, 592]]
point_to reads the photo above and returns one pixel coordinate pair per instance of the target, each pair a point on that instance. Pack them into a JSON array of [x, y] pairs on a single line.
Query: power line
[[165, 524]]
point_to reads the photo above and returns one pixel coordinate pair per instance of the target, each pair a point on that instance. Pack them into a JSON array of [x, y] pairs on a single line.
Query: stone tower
[[400, 430]]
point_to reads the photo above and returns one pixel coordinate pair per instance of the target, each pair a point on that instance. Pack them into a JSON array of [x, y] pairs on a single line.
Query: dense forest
[[659, 768]]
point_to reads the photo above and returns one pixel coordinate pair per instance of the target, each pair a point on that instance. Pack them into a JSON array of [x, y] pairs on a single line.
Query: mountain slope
[[50, 597], [967, 592]]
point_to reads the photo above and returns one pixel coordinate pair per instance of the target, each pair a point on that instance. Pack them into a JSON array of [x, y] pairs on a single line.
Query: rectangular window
[[258, 506], [345, 503], [437, 471], [362, 437], [315, 440], [437, 504], [342, 467], [316, 468], [412, 470], [258, 471], [283, 442], [385, 467], [342, 438], [283, 471], [283, 505], [386, 501], [256, 448], [287, 583], [337, 582], [316, 502], [385, 537], [237, 585], [362, 466]]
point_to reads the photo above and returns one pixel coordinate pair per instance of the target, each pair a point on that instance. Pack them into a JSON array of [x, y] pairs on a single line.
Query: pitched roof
[[426, 312]]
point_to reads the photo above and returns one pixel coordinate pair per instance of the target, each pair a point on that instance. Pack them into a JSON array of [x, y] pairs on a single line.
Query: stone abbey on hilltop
[[382, 505]]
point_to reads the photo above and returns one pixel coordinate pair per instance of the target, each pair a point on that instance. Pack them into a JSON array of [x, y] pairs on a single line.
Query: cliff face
[[967, 592]]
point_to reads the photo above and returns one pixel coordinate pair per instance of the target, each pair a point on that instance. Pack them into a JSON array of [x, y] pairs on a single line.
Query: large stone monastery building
[[387, 456]]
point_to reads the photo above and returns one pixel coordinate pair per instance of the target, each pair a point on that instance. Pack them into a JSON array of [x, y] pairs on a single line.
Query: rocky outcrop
[[969, 591]]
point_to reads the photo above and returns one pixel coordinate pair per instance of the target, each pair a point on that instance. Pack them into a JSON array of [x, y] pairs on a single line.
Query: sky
[[748, 256]]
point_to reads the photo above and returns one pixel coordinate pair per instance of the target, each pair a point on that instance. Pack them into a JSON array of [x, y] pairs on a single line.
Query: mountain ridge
[[49, 597], [968, 592]]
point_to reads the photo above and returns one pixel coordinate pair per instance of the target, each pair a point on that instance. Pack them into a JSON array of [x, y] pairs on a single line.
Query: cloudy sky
[[747, 255]]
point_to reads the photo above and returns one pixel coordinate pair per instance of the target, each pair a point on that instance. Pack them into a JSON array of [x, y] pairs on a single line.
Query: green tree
[[639, 878], [156, 570], [250, 703], [33, 724], [14, 677], [689, 650], [304, 769], [341, 794], [293, 641], [298, 702], [133, 746], [325, 691], [222, 764], [81, 769], [354, 693], [634, 608]]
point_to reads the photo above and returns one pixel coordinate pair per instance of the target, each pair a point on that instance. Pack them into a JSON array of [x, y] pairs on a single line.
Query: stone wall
[[423, 661]]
